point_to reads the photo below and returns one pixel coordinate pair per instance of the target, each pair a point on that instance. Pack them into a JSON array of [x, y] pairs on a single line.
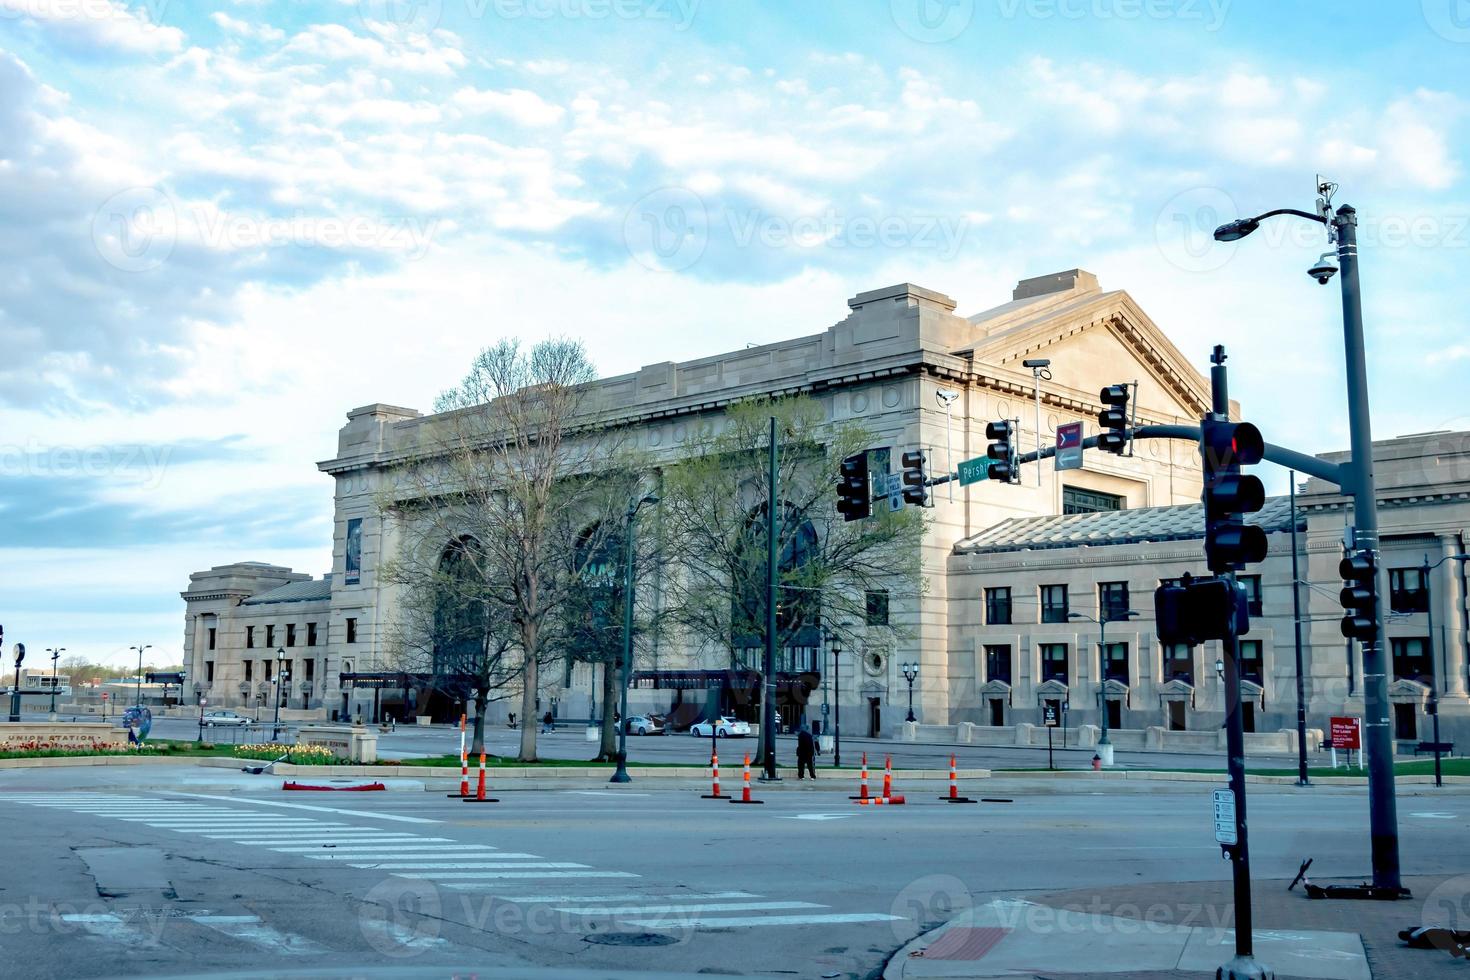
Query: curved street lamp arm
[[1300, 214]]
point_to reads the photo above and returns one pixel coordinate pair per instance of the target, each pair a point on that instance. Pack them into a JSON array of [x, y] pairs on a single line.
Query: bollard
[[714, 764], [479, 796], [464, 765], [745, 789], [954, 786], [863, 785]]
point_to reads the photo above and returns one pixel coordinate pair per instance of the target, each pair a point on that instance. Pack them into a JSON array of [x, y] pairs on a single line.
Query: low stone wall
[[15, 736], [347, 741], [1154, 739]]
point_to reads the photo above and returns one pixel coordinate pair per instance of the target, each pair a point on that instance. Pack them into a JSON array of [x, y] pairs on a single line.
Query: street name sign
[[1069, 446], [974, 470], [1225, 817]]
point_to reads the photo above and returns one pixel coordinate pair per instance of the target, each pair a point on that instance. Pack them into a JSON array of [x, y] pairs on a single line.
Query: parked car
[[645, 725], [224, 718], [720, 728]]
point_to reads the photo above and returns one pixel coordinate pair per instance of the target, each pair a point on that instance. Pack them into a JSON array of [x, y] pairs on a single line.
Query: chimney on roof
[[1073, 280]]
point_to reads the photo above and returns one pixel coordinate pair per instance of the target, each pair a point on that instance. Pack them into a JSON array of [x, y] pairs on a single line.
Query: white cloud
[[518, 105], [97, 25]]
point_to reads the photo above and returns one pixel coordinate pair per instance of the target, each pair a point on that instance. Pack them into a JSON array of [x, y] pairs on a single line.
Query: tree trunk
[[529, 679], [608, 750], [482, 698]]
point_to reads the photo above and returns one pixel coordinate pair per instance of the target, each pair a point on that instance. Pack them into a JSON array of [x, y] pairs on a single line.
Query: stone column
[[1449, 619]]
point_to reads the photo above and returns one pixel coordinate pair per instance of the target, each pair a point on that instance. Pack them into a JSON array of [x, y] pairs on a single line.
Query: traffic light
[[1200, 609], [915, 480], [1359, 572], [1006, 468], [854, 498], [1225, 447], [1113, 419]]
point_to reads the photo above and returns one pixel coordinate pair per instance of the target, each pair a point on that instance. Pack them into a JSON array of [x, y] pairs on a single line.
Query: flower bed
[[41, 749], [299, 754]]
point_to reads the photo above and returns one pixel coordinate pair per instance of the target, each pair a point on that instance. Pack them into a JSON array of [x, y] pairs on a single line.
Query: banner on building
[[354, 551]]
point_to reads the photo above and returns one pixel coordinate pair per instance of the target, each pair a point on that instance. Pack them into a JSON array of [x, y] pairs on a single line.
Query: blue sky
[[224, 224]]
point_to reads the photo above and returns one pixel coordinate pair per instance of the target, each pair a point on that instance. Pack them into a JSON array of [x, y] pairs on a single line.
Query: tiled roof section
[[1176, 523], [294, 592]]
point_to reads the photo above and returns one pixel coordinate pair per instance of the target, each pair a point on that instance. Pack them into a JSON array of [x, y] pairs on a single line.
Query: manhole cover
[[631, 939]]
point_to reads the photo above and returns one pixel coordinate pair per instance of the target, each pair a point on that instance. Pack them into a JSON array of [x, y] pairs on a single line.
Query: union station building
[[1016, 577]]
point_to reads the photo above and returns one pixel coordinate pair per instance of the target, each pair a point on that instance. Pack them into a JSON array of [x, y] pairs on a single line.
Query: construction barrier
[[464, 765], [954, 786], [888, 796], [714, 765], [863, 784], [745, 789], [480, 796]]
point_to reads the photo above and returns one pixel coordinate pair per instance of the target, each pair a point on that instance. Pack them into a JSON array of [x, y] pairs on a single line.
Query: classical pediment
[[1051, 690], [1115, 690], [1177, 690], [1404, 690], [996, 689]]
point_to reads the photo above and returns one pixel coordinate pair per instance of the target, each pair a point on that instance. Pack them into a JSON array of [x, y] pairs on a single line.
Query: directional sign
[[1069, 446], [1225, 817], [1050, 717], [975, 470]]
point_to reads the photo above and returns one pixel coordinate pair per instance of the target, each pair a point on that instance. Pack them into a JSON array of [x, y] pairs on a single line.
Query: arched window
[[459, 611], [594, 612], [798, 610]]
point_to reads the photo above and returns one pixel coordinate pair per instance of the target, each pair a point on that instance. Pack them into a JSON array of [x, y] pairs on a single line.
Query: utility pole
[[773, 586], [1296, 621]]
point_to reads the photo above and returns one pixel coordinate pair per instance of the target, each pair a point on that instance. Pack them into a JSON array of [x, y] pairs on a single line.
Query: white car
[[224, 718], [722, 728]]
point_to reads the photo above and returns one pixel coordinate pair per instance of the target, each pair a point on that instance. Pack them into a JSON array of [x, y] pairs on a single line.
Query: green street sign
[[974, 470]]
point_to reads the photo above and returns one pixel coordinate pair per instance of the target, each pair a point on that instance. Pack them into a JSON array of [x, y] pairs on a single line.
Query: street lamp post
[[836, 706], [910, 674], [1357, 480], [140, 648], [1104, 744], [56, 653], [1434, 681], [20, 654], [202, 702], [280, 668], [621, 775]]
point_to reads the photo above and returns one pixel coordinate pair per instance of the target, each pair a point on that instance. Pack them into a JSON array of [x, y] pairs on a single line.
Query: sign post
[[1225, 818], [1049, 719], [1069, 446], [1347, 733]]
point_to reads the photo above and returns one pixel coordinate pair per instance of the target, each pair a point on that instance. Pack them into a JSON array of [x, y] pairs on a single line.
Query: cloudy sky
[[224, 223]]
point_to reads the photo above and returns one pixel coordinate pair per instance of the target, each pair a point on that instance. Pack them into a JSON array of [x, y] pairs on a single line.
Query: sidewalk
[[1181, 931]]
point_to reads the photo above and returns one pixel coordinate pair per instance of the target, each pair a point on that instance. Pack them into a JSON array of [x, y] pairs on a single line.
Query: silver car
[[644, 725], [224, 718]]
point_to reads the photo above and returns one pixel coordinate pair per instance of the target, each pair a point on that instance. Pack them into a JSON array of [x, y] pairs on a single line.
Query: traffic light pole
[[773, 586]]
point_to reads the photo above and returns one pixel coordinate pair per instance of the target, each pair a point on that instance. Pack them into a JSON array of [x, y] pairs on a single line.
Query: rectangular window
[[1410, 659], [1054, 604], [998, 662], [877, 607], [270, 636], [1171, 582], [265, 668], [212, 632], [310, 669], [1406, 592], [249, 670], [1251, 668], [351, 630], [1178, 662], [1112, 600], [1115, 662], [998, 606], [311, 634], [250, 637], [1054, 662], [290, 634], [209, 671], [1252, 586], [1075, 500]]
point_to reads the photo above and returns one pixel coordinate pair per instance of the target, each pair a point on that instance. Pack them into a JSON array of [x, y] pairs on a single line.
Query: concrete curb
[[1164, 775]]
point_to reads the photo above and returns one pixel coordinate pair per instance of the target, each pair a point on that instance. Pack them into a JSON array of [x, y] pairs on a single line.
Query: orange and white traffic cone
[[954, 786], [863, 782], [480, 796], [745, 789], [714, 765], [887, 776], [464, 765]]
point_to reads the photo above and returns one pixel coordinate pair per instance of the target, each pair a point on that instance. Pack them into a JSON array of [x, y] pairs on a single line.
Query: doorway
[[1405, 722], [875, 718], [1115, 713], [1176, 716], [997, 712], [1248, 716]]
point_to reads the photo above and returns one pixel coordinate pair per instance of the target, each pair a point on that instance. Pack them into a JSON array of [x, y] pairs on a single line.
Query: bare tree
[[507, 465]]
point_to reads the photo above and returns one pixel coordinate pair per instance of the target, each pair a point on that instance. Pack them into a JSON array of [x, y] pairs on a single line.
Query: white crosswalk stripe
[[249, 929]]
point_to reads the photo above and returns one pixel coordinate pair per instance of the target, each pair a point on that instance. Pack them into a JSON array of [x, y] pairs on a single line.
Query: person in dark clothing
[[806, 754]]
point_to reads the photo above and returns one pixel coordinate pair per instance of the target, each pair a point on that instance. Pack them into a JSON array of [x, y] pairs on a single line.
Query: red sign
[[1346, 733], [104, 695]]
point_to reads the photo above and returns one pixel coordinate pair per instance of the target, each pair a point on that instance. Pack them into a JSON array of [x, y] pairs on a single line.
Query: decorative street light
[[140, 648], [1104, 744], [20, 654], [621, 775], [280, 682], [56, 653], [910, 674], [1433, 706], [836, 704]]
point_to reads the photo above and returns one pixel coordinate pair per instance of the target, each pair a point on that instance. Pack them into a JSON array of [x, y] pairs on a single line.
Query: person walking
[[806, 753], [548, 724]]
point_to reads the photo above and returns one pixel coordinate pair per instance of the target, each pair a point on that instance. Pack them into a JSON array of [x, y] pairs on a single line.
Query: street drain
[[631, 939]]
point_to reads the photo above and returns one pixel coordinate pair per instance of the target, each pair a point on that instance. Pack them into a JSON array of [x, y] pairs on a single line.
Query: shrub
[[301, 753]]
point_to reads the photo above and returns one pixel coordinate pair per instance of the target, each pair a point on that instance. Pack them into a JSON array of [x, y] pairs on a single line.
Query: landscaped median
[[1455, 772]]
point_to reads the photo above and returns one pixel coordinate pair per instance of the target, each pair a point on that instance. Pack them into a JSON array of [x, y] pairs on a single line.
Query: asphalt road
[[153, 871], [571, 743]]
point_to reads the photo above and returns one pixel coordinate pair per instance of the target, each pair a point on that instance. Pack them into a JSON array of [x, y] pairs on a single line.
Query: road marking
[[630, 897], [409, 844], [431, 865], [1434, 816], [319, 809], [601, 792], [488, 875], [735, 922], [817, 816], [673, 910], [249, 929], [114, 928], [366, 837], [382, 929]]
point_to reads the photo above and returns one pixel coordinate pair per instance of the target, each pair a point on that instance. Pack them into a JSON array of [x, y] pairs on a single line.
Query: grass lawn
[[1419, 767]]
